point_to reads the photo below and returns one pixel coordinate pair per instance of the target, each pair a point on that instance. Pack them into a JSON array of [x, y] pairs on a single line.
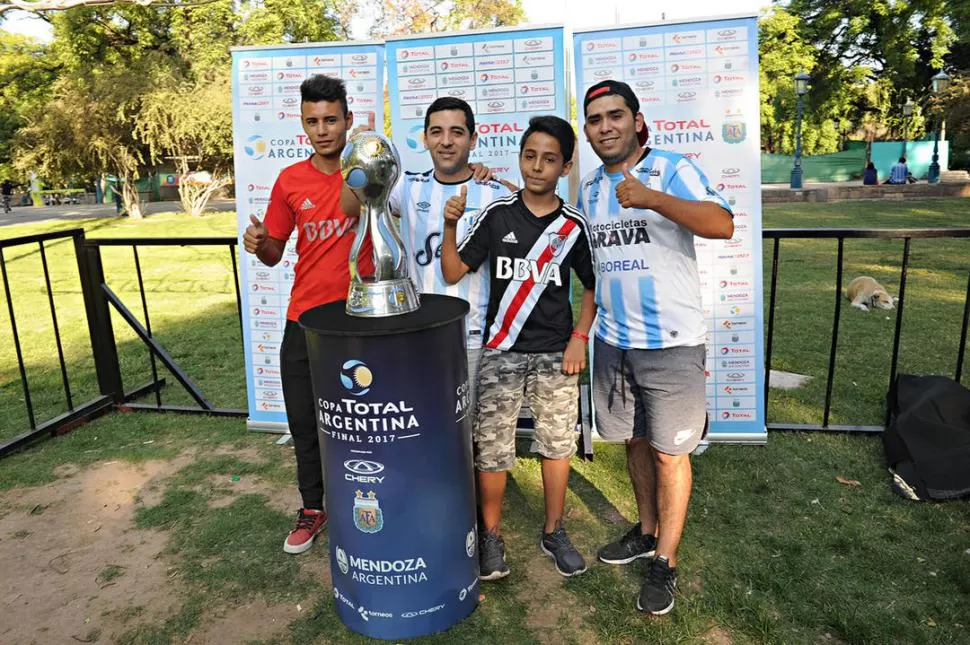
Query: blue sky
[[572, 13]]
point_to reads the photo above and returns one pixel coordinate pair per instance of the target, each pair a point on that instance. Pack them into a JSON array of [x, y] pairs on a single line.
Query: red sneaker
[[308, 524]]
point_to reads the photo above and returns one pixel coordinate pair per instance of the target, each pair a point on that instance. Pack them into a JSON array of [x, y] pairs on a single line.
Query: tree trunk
[[129, 196]]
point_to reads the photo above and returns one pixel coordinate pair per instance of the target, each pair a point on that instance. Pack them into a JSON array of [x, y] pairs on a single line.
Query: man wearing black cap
[[644, 207]]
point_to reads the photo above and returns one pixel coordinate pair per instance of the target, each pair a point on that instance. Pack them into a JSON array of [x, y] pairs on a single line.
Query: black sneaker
[[657, 592], [558, 547], [628, 548], [491, 557]]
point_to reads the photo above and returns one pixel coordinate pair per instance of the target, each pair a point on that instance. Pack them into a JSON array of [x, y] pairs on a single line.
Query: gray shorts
[[504, 379], [659, 394]]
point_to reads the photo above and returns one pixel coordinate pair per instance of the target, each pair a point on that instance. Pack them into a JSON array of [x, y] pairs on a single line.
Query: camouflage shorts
[[504, 378]]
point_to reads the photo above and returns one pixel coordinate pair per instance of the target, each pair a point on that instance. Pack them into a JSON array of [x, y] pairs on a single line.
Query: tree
[[192, 125], [396, 17], [903, 42], [41, 6], [142, 82], [85, 129], [26, 75]]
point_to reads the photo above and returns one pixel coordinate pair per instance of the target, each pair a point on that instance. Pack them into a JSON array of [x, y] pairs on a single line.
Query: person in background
[[899, 174], [869, 176]]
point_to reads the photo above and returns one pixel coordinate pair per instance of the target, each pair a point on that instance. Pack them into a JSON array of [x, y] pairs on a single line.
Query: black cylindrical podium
[[392, 411]]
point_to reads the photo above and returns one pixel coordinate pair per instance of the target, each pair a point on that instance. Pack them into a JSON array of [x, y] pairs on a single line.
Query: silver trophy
[[370, 166]]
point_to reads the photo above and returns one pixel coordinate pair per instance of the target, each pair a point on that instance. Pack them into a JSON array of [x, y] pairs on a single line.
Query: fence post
[[91, 272]]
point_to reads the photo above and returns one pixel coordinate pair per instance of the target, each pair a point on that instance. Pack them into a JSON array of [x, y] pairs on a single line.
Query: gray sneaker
[[629, 547], [491, 557], [558, 547]]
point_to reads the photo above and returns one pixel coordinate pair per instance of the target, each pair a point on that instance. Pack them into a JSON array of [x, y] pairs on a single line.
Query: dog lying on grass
[[864, 292]]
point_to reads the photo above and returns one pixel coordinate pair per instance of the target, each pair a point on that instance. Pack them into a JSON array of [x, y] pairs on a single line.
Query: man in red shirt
[[306, 196]]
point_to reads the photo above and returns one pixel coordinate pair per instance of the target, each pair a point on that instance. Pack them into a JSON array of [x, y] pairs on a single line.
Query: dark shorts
[[659, 394]]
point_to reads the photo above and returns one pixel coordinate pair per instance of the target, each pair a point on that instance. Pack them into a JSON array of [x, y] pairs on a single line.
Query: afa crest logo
[[734, 129], [368, 516]]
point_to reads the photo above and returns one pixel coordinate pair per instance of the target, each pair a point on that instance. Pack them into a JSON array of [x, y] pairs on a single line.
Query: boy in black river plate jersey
[[532, 241]]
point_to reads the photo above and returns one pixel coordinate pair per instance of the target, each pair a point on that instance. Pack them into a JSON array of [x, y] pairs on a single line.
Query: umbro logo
[[307, 205], [510, 238]]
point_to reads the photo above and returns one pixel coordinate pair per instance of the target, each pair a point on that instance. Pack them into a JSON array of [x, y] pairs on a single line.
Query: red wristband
[[581, 336]]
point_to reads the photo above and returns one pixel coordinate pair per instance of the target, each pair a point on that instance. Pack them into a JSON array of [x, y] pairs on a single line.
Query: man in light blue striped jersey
[[644, 207]]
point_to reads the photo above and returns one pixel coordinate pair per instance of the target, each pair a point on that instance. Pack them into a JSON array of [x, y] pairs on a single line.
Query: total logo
[[252, 187], [356, 377], [726, 186], [665, 125], [363, 471], [466, 591], [736, 351]]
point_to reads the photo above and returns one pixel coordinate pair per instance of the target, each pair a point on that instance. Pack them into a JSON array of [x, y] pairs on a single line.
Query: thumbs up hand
[[631, 192], [255, 234], [455, 207], [369, 127]]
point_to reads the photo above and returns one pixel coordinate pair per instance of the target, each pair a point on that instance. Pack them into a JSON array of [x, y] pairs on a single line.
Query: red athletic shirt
[[305, 198]]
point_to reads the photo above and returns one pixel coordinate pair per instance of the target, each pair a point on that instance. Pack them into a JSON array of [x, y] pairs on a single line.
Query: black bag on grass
[[927, 442]]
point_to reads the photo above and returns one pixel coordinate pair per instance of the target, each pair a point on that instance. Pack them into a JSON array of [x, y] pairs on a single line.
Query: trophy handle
[[387, 246], [389, 231], [359, 237]]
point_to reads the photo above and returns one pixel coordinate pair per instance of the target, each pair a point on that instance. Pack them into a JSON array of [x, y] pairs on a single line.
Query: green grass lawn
[[191, 303], [776, 551]]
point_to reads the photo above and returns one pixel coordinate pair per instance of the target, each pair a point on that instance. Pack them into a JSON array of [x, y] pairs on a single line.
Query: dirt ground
[[75, 568]]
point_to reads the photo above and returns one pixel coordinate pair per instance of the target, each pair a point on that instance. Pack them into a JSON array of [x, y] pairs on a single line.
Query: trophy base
[[382, 299]]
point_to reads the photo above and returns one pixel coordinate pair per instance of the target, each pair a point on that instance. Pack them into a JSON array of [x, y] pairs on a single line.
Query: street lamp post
[[907, 113], [801, 86], [940, 83]]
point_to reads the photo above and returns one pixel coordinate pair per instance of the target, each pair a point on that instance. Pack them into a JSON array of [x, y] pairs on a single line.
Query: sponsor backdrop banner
[[267, 137], [697, 84], [392, 408], [506, 75]]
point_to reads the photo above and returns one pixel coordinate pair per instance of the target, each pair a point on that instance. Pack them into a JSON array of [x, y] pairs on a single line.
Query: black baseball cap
[[618, 88]]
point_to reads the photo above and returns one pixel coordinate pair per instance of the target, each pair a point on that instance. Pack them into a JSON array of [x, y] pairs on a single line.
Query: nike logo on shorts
[[683, 436]]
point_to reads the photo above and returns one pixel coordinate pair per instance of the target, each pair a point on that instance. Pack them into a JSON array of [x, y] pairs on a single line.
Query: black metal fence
[[76, 412], [100, 299], [907, 235], [106, 297]]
